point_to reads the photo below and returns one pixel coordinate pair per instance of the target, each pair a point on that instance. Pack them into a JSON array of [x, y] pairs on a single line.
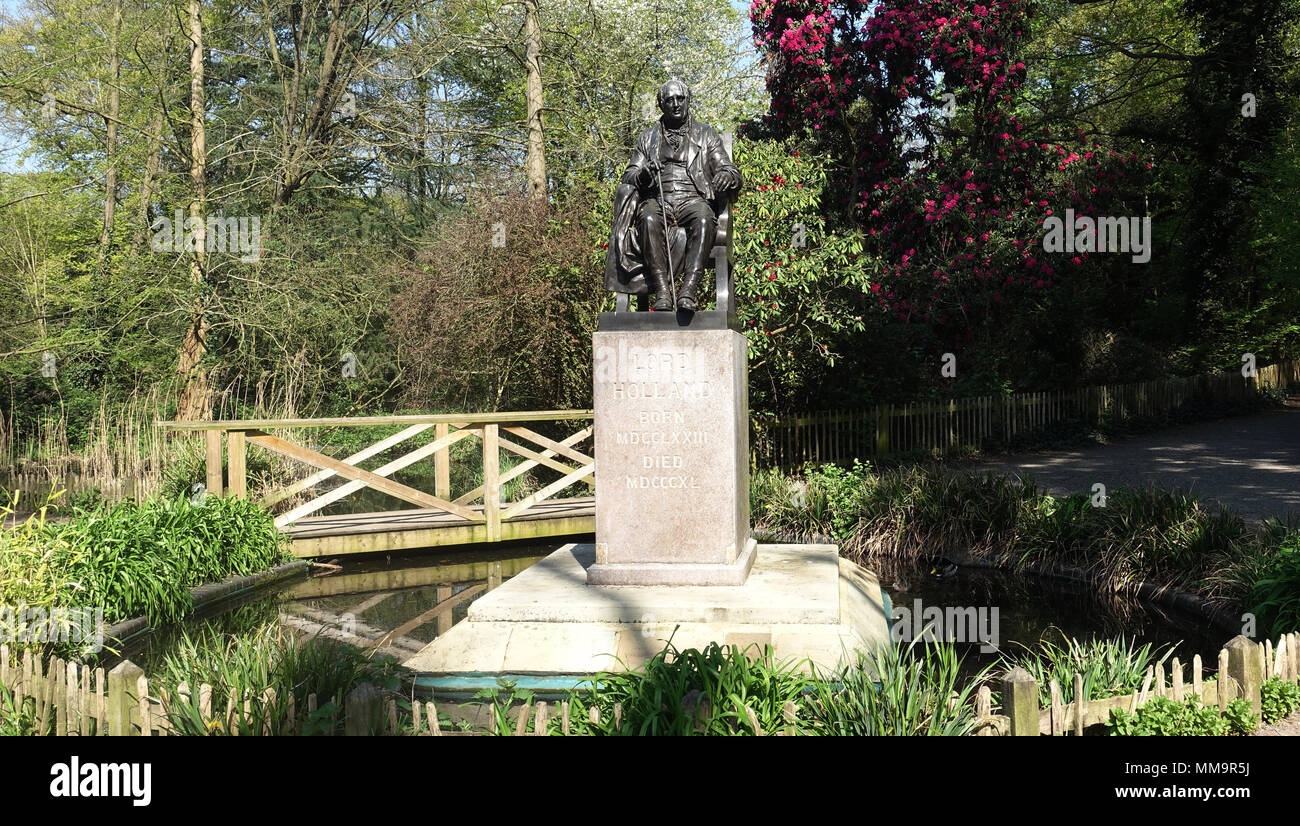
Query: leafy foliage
[[1278, 699], [136, 559], [693, 692], [1163, 717]]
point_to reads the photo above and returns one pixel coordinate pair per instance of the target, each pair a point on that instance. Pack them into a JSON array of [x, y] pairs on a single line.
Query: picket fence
[[974, 423], [72, 699], [1243, 666]]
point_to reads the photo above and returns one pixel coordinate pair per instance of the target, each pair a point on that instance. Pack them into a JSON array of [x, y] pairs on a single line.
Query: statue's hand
[[725, 181], [646, 177]]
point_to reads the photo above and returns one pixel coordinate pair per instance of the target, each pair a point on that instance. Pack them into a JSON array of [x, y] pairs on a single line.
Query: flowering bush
[[917, 109]]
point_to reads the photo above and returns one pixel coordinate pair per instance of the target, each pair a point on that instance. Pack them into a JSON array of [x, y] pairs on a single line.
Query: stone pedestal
[[815, 609], [672, 458]]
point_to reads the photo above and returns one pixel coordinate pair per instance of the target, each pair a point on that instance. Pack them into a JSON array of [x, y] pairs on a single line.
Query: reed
[[1109, 667], [267, 668], [897, 690], [690, 692]]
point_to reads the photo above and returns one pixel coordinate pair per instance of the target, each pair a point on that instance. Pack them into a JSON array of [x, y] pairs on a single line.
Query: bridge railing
[[514, 433]]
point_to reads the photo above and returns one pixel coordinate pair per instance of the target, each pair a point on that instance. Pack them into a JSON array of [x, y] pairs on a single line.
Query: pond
[[397, 607], [1030, 608]]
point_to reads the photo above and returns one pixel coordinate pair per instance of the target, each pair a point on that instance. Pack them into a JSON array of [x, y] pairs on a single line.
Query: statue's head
[[675, 101]]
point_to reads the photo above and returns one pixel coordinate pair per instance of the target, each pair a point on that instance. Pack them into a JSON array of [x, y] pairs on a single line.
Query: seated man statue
[[678, 166]]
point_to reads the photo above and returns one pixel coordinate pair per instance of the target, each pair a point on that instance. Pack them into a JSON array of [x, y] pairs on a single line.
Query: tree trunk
[[535, 166], [151, 165], [110, 143], [195, 398]]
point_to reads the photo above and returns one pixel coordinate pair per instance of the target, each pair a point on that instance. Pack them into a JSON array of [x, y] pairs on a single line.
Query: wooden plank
[[212, 440], [101, 702], [84, 703], [462, 534], [236, 452], [374, 480], [59, 696], [1079, 702], [358, 482], [363, 421], [72, 701], [558, 447], [1224, 681], [524, 467], [533, 458], [539, 725], [146, 708], [1057, 710], [551, 489], [431, 712], [355, 458], [441, 464], [492, 482]]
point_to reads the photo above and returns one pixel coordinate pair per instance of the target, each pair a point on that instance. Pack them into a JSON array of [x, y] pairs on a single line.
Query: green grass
[[16, 719]]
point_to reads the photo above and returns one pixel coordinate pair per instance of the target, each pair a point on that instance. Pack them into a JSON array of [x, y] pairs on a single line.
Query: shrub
[[1161, 716], [1274, 596], [1279, 698], [136, 559]]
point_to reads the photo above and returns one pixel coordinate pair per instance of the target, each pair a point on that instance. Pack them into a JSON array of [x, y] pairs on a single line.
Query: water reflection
[[1031, 608], [396, 607]]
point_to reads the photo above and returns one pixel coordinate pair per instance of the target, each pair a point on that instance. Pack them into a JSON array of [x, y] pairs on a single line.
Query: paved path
[[1250, 463]]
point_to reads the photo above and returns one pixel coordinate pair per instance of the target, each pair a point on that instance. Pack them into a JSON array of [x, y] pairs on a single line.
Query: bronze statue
[[678, 167]]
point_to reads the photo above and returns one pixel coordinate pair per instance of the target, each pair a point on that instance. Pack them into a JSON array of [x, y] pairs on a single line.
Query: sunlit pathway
[[1250, 463]]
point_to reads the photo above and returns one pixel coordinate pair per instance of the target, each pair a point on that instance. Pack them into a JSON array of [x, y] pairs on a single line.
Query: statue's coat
[[706, 156]]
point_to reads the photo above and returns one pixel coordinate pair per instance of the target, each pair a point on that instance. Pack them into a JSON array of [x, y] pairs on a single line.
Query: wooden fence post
[[1020, 702], [1246, 666], [441, 464], [882, 429], [491, 482], [122, 685], [361, 710], [236, 451], [213, 441]]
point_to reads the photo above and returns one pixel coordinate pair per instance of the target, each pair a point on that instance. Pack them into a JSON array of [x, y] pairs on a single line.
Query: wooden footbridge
[[546, 466]]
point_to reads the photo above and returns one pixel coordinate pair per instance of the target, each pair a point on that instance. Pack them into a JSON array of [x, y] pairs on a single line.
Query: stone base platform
[[803, 600], [673, 573]]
